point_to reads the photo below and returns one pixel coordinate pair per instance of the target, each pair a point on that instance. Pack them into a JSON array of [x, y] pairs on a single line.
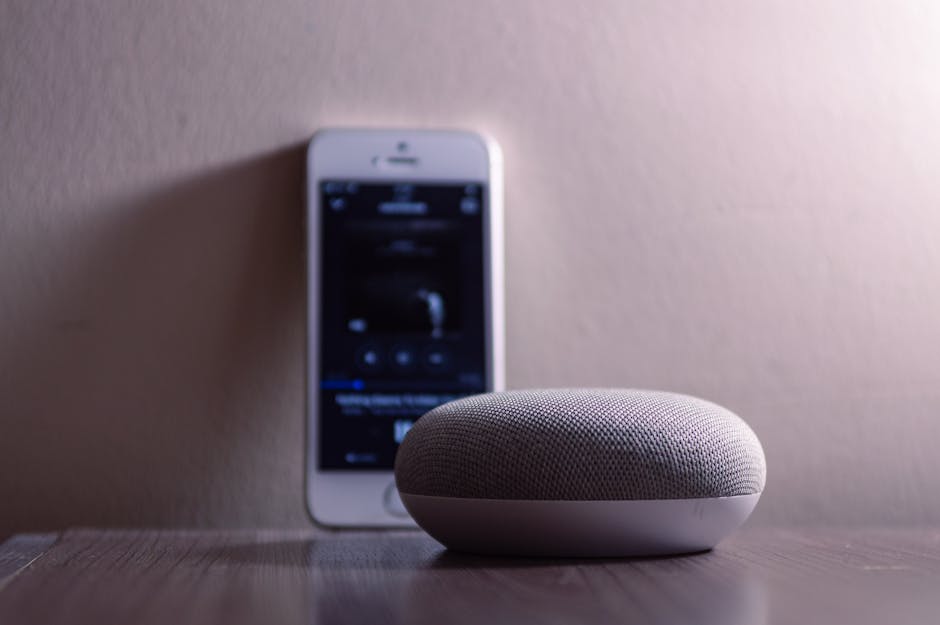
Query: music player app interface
[[402, 322]]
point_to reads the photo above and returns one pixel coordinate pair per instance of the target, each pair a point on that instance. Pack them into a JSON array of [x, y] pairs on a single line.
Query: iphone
[[405, 300]]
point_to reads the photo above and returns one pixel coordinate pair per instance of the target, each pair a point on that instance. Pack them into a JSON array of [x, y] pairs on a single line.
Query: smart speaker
[[580, 472]]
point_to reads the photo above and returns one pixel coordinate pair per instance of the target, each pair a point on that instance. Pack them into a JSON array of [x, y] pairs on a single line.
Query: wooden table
[[759, 576]]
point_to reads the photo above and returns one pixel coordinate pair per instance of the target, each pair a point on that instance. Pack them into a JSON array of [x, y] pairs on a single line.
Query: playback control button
[[437, 359], [369, 358], [403, 357]]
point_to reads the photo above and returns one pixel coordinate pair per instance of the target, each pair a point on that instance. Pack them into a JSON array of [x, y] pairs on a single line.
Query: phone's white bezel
[[357, 498]]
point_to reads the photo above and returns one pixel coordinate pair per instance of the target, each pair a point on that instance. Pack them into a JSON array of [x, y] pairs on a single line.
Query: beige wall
[[734, 199]]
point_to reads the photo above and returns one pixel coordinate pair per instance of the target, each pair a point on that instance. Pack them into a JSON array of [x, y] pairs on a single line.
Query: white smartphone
[[405, 302]]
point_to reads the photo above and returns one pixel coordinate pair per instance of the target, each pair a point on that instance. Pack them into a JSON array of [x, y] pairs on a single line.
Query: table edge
[[19, 551]]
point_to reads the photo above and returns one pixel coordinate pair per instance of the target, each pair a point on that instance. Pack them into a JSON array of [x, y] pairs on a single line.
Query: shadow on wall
[[163, 357]]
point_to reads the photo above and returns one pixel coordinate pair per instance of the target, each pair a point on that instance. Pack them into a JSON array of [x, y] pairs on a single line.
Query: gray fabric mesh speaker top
[[585, 444]]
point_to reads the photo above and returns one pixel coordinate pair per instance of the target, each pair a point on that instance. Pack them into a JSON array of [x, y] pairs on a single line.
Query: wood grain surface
[[758, 576]]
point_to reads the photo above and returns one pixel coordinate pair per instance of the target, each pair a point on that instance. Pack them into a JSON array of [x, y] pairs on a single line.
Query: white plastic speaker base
[[579, 528]]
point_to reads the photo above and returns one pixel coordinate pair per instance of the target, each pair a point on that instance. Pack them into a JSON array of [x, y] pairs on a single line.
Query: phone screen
[[402, 311]]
